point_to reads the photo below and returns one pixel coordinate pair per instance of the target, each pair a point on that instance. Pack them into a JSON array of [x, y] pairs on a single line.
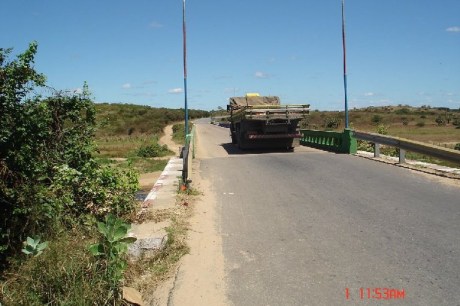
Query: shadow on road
[[233, 150]]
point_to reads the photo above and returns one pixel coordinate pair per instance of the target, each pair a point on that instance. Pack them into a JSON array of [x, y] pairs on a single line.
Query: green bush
[[382, 129], [153, 150], [332, 122], [49, 180], [420, 124], [112, 249], [457, 146], [402, 111], [376, 119], [440, 120]]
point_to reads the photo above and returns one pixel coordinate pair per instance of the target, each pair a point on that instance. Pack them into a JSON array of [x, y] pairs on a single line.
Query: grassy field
[[431, 125], [127, 135]]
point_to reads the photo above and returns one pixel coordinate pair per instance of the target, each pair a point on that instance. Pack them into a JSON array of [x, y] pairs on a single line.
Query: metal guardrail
[[340, 142], [408, 145]]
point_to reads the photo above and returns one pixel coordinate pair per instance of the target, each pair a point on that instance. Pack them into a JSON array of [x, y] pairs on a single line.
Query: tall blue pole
[[344, 64], [184, 32]]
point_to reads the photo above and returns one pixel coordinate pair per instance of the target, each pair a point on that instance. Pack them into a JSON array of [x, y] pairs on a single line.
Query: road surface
[[317, 228]]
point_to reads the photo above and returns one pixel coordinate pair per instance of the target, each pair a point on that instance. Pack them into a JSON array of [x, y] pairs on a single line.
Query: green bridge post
[[349, 143]]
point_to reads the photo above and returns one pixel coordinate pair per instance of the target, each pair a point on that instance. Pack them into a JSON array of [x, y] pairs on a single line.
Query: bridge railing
[[188, 153], [407, 145], [340, 142]]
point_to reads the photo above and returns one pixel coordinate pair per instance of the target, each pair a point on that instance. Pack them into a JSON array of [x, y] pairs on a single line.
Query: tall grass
[[64, 274]]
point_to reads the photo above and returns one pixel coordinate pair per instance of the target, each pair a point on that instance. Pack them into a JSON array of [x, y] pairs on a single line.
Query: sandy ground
[[166, 139], [147, 180], [200, 277]]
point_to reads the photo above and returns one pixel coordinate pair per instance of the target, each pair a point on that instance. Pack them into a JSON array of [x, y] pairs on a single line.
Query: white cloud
[[369, 94], [261, 75], [176, 91], [453, 29], [156, 25], [126, 86]]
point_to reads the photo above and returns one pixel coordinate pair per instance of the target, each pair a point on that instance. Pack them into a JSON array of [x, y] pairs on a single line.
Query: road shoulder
[[200, 279]]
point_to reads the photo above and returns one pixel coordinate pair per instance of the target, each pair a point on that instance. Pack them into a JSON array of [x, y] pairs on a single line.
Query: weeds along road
[[312, 228]]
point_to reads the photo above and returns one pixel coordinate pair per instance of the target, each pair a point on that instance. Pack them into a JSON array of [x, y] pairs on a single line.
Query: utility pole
[[184, 32], [344, 64]]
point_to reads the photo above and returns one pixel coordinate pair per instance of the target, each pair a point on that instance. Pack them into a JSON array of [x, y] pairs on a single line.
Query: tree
[[48, 177]]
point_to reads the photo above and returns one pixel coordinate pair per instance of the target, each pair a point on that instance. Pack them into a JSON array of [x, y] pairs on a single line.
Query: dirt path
[[147, 180], [166, 139], [200, 279]]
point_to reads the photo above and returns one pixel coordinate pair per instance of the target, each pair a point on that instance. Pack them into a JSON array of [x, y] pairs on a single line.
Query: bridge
[[320, 228]]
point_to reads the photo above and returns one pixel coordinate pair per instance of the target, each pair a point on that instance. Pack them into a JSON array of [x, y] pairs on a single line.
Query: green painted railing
[[331, 141]]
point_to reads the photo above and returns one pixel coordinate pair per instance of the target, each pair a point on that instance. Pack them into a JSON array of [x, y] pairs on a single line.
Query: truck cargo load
[[263, 122]]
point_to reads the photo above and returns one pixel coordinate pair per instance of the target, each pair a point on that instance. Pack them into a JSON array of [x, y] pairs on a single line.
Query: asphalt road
[[312, 228]]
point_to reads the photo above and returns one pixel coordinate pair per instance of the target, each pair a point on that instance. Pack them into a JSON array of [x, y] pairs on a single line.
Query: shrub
[[382, 130], [440, 121], [402, 111], [49, 180], [153, 150], [376, 119], [457, 146], [332, 122], [420, 124], [179, 132]]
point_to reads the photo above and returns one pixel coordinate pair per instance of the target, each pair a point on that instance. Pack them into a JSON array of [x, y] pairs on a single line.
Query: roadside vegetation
[[129, 134], [438, 126], [68, 178]]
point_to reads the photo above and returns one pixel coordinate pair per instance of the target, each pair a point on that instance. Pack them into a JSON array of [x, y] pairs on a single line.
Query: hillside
[[130, 119], [127, 130]]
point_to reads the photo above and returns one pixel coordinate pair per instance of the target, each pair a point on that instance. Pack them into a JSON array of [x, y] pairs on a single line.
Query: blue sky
[[399, 52]]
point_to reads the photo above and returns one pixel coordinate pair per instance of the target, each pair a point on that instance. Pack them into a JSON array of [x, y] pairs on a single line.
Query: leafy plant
[[112, 247], [457, 146], [382, 129], [376, 119], [34, 247], [64, 274]]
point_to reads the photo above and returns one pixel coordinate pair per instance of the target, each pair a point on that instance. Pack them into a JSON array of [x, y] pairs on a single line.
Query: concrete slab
[[163, 193]]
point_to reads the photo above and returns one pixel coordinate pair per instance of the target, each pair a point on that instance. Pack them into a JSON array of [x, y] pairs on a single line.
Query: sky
[[398, 51]]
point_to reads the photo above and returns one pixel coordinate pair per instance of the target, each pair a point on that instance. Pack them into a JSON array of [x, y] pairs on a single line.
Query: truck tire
[[234, 140], [240, 140]]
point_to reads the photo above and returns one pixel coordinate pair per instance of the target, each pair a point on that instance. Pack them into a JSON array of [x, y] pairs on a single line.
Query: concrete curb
[[162, 193]]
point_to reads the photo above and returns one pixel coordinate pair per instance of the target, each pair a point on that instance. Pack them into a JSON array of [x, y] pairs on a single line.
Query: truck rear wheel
[[240, 140], [234, 140]]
